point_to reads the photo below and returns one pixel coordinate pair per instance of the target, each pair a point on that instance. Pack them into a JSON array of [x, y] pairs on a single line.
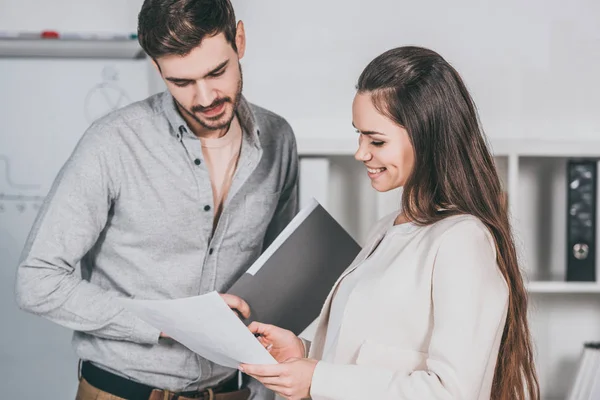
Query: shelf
[[347, 145], [343, 146], [563, 287], [60, 48]]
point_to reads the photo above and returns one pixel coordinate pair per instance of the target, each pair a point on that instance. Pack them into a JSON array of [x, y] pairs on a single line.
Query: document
[[205, 325], [289, 282], [286, 286]]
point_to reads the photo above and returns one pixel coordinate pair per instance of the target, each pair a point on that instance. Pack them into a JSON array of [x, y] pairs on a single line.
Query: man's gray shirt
[[134, 205]]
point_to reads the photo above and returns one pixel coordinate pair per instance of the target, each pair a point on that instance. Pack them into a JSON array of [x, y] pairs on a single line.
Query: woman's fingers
[[273, 383], [261, 331], [281, 390], [259, 328], [266, 344], [261, 371], [269, 380]]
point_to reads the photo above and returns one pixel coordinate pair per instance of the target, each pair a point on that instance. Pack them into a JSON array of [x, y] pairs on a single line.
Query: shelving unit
[[346, 146], [61, 48], [563, 287], [563, 315]]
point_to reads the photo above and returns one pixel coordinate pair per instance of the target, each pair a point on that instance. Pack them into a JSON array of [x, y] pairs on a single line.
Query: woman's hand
[[291, 379], [281, 343]]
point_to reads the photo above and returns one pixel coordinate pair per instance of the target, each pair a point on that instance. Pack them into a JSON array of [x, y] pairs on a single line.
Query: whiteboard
[[45, 107]]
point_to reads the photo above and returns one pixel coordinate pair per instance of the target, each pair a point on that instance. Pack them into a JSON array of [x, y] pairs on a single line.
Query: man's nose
[[205, 95]]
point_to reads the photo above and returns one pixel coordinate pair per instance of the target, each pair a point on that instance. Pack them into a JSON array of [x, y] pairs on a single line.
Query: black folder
[[289, 282]]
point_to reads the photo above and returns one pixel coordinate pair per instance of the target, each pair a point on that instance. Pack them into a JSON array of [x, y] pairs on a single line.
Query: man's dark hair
[[176, 27]]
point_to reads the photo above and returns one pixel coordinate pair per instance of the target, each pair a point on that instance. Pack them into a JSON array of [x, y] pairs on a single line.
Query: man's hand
[[237, 304]]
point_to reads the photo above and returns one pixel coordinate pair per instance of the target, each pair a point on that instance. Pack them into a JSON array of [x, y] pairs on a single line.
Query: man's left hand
[[237, 304]]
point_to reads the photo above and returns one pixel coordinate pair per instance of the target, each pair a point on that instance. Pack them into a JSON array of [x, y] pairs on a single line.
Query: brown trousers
[[89, 392]]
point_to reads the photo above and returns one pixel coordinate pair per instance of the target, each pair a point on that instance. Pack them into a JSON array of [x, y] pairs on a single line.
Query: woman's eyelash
[[373, 142]]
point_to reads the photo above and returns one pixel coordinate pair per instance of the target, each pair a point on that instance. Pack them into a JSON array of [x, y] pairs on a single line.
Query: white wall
[[70, 15], [530, 65]]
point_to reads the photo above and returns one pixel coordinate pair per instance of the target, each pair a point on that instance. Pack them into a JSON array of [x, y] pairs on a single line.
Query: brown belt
[[209, 394]]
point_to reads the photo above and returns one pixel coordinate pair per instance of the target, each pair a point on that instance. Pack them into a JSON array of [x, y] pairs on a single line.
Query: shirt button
[[210, 251], [207, 208], [197, 161]]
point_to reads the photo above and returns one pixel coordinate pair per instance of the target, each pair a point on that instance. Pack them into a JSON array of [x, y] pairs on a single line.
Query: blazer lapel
[[316, 348]]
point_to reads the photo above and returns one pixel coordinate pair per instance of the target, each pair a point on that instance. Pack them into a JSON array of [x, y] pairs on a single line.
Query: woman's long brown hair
[[454, 171]]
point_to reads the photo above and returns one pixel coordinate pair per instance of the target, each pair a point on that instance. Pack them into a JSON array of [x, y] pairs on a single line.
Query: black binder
[[290, 281], [581, 220]]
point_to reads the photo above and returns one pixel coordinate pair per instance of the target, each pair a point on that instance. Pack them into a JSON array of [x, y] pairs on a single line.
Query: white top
[[338, 304], [345, 288], [422, 317]]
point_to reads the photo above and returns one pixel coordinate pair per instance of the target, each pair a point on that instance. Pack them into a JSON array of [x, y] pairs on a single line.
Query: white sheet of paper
[[205, 325]]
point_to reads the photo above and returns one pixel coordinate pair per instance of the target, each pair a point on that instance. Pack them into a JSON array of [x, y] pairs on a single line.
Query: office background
[[531, 67]]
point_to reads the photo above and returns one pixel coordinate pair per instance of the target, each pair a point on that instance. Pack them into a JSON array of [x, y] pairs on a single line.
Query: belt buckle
[[210, 393]]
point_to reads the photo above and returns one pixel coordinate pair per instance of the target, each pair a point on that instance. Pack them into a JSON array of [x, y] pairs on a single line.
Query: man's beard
[[216, 124]]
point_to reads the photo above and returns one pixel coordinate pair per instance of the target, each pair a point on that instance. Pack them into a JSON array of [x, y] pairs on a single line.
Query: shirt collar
[[179, 127]]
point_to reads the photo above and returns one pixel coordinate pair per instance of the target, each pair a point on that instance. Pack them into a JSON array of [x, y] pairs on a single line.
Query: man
[[170, 197]]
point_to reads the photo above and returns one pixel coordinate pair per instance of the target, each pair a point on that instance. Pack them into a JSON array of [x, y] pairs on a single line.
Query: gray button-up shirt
[[130, 205]]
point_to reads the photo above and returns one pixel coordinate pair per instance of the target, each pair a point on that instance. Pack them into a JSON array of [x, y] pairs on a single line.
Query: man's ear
[[240, 39]]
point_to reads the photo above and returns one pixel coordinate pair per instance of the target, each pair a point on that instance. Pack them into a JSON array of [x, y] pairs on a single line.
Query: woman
[[434, 307]]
